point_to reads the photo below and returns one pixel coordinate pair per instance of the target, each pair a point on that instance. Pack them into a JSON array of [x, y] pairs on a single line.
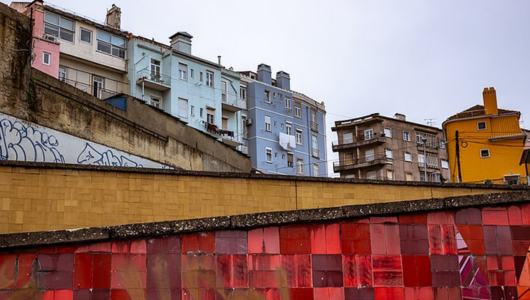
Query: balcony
[[233, 105], [358, 142], [359, 163], [159, 82]]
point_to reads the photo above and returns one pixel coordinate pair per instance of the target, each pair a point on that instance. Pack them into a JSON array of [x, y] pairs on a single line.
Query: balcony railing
[[233, 105], [358, 163], [358, 142], [156, 81]]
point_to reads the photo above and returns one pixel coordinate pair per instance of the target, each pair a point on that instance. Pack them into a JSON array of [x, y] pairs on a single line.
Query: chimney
[[490, 101], [264, 74], [114, 17], [400, 117], [283, 80], [181, 41]]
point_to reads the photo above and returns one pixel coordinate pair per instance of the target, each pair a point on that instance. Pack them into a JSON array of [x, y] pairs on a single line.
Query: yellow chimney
[[490, 101]]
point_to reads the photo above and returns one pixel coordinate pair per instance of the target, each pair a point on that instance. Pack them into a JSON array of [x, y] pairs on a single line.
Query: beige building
[[385, 148]]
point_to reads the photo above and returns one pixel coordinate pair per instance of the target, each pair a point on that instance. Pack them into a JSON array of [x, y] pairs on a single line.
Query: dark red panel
[[102, 267], [170, 244], [295, 239], [390, 293], [83, 271], [357, 271], [301, 294], [161, 271], [7, 268], [359, 294], [207, 242], [495, 216]]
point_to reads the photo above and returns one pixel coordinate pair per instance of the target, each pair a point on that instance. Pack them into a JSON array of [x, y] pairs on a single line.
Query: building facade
[[384, 148], [199, 92], [87, 54], [485, 143], [285, 129]]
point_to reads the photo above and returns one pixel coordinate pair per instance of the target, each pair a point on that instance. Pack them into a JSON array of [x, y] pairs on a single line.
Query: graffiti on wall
[[23, 141]]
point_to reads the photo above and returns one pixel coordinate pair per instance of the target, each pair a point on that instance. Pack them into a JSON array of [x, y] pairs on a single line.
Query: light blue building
[[285, 130], [199, 92]]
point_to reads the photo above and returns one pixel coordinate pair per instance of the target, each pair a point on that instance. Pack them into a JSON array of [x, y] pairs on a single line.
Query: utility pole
[[458, 157]]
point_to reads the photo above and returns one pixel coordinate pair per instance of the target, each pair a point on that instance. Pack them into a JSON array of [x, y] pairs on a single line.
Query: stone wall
[[141, 130], [471, 247], [56, 196]]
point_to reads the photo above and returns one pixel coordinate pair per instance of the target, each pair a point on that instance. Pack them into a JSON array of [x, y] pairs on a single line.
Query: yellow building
[[485, 143]]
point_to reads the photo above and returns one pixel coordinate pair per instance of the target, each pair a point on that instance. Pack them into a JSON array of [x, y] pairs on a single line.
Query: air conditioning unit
[[248, 122], [50, 38]]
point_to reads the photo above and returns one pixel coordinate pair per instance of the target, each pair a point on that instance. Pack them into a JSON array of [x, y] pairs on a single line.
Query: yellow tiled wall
[[36, 199]]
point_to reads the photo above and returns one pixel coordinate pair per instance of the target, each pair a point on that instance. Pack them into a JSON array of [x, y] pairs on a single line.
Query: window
[[371, 175], [297, 110], [268, 155], [62, 74], [183, 108], [97, 86], [484, 153], [58, 26], [442, 144], [111, 44], [192, 111], [46, 58], [200, 76], [183, 71], [209, 78], [86, 36], [314, 145], [419, 139], [406, 136], [156, 101], [299, 137], [432, 160], [288, 103], [223, 91], [408, 157], [422, 177], [316, 170], [369, 154], [368, 134], [245, 126], [155, 70], [421, 160], [388, 132], [389, 174], [288, 128], [192, 74], [347, 138], [267, 123], [445, 164], [481, 125], [314, 124], [408, 176], [289, 160], [225, 123], [201, 112], [388, 153], [267, 96], [299, 166], [210, 115], [243, 93]]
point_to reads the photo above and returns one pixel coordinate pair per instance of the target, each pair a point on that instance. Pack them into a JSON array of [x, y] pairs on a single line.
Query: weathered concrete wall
[[142, 130], [458, 248], [55, 196]]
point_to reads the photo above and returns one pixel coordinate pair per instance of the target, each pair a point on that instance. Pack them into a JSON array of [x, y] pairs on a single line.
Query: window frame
[[484, 123], [268, 155], [299, 136], [368, 134], [210, 79], [111, 45], [210, 116], [444, 164], [267, 120], [288, 128], [298, 109], [388, 132], [288, 103], [183, 74], [59, 28], [47, 61], [155, 97], [387, 151], [63, 73], [183, 100], [267, 96], [300, 170], [316, 169], [406, 136], [485, 156], [409, 156], [315, 152], [81, 29]]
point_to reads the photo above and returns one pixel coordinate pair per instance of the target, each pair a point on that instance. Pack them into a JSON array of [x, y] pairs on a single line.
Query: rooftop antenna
[[431, 122]]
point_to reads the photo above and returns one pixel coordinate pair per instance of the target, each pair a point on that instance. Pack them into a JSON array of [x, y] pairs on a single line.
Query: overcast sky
[[425, 59]]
